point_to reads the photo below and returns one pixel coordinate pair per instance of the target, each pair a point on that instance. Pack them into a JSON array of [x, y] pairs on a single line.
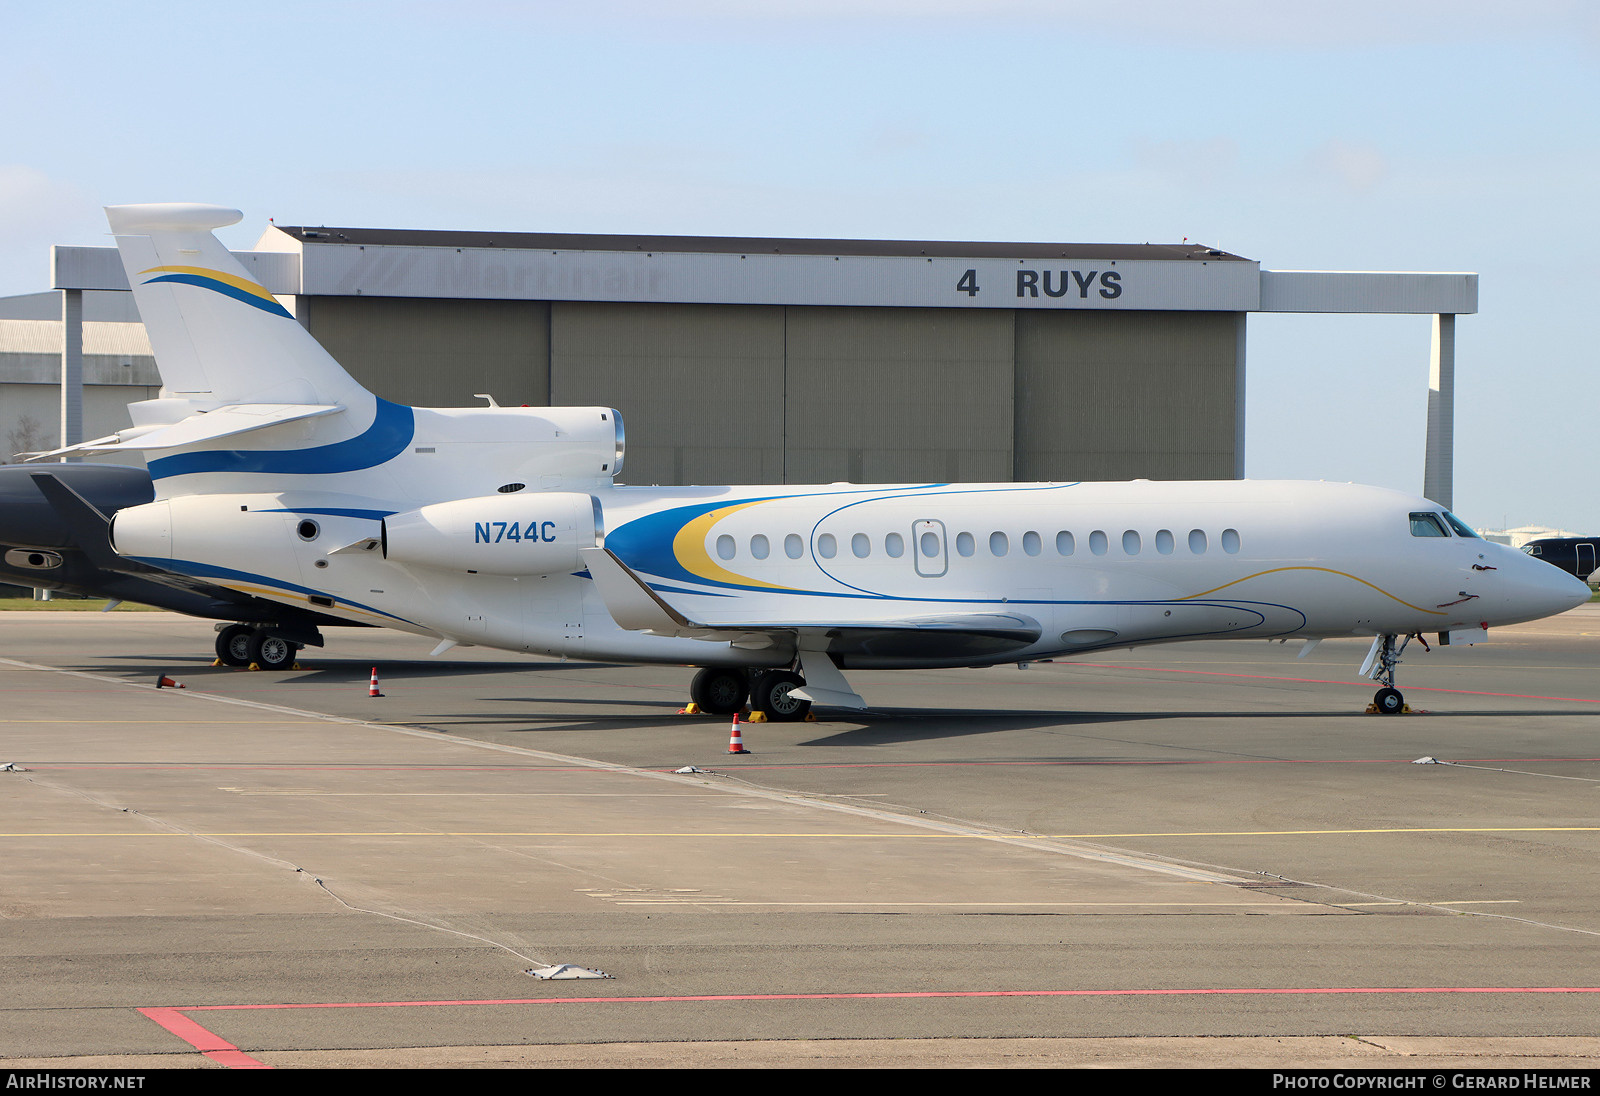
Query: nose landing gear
[[1380, 664]]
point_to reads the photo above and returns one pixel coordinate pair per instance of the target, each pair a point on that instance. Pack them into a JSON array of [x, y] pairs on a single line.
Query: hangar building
[[791, 361]]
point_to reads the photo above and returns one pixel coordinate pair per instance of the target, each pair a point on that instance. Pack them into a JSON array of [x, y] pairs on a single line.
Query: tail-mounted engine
[[538, 533]]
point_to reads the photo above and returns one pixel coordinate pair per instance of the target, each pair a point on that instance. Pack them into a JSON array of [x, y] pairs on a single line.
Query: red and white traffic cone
[[736, 740], [372, 690], [165, 682]]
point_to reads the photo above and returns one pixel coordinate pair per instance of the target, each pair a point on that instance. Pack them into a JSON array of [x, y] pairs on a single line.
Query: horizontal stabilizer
[[224, 422]]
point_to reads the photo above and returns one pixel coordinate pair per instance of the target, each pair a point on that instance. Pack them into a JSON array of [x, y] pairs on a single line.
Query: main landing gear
[[723, 690], [241, 645], [1380, 664]]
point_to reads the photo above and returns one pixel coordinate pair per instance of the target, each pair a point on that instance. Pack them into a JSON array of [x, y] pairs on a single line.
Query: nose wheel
[[1389, 701]]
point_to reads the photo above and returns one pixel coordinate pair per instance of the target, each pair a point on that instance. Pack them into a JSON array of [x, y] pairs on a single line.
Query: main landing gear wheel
[[233, 645], [272, 652], [772, 694], [718, 690]]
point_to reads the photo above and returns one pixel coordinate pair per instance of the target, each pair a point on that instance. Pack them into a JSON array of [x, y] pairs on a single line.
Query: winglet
[[631, 603]]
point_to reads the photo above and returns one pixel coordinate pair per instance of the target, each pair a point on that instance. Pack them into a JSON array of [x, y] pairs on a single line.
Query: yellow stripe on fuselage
[[689, 546], [1328, 570]]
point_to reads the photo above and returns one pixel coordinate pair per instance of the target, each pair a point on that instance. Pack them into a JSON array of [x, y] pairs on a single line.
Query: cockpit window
[[1533, 550], [1462, 528], [1424, 524]]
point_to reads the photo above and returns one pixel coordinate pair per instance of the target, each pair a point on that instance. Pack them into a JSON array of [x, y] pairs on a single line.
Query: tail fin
[[217, 334]]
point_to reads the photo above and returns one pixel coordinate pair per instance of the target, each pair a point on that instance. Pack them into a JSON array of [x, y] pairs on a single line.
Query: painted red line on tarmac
[[207, 1042], [1323, 681], [213, 1046]]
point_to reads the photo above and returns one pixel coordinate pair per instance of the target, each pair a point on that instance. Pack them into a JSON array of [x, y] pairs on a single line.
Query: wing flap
[[948, 638]]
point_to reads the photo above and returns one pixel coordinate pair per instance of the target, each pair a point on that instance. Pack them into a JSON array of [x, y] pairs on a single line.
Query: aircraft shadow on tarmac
[[876, 726]]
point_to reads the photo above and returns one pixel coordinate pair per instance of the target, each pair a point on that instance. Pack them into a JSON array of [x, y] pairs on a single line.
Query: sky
[[1360, 135]]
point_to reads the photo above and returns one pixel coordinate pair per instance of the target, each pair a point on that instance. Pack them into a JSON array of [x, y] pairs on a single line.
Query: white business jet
[[278, 476]]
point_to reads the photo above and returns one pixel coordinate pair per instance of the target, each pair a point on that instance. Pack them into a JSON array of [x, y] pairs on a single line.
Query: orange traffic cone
[[736, 740], [373, 689], [165, 682]]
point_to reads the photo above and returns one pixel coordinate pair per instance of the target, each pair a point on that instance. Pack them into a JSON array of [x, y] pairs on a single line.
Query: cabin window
[[725, 547], [965, 545], [1461, 528], [1131, 543], [998, 544], [930, 545], [1064, 545], [1164, 541], [1230, 541], [1097, 542], [1030, 543], [1197, 541], [861, 546], [759, 547], [827, 547], [793, 546], [895, 545], [1424, 524]]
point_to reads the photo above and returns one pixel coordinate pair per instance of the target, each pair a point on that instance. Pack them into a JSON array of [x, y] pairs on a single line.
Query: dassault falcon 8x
[[278, 476]]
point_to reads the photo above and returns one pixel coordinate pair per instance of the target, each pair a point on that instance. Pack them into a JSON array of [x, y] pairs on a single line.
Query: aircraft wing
[[223, 422], [953, 638]]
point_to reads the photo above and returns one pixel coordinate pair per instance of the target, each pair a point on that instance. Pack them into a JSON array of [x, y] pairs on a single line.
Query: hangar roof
[[727, 245]]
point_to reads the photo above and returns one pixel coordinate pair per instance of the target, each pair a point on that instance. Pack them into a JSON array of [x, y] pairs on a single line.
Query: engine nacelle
[[143, 531], [537, 533]]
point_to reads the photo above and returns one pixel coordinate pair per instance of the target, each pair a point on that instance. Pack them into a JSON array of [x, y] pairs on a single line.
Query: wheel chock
[[1405, 709], [756, 717], [297, 666], [690, 708], [255, 665], [811, 717], [216, 662]]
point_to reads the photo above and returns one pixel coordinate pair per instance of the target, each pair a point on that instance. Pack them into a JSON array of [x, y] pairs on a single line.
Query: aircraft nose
[[1542, 590]]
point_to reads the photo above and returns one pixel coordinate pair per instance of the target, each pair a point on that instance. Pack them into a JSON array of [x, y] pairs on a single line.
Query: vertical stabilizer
[[217, 334]]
